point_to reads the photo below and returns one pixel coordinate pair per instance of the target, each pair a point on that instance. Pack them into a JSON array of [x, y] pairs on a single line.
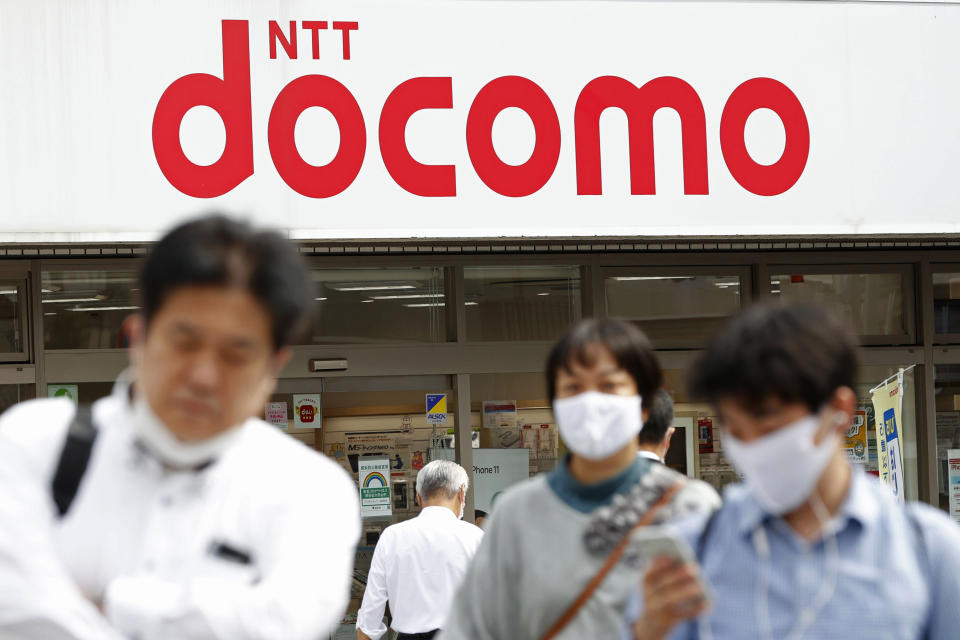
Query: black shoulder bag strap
[[74, 458]]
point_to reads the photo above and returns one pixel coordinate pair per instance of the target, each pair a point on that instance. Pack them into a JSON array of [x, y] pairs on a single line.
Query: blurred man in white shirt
[[653, 441], [418, 564], [184, 516]]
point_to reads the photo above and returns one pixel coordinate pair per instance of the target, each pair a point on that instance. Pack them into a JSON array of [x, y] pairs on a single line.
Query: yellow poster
[[887, 404], [855, 443]]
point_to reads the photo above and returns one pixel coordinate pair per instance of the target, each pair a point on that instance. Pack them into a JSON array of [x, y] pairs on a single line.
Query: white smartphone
[[654, 542]]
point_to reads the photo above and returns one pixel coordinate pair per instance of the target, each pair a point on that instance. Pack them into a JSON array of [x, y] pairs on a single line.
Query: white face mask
[[782, 468], [169, 449], [596, 425]]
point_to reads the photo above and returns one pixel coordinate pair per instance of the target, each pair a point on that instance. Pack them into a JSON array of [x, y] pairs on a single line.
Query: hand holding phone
[[673, 590], [655, 542]]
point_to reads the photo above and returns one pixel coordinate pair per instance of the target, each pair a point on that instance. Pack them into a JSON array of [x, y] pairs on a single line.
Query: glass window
[[11, 317], [87, 309], [369, 305], [680, 310], [946, 303], [861, 446], [873, 304], [11, 394], [947, 385], [520, 303]]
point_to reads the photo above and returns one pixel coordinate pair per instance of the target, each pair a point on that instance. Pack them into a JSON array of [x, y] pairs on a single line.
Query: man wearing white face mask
[[807, 546], [419, 564], [555, 560], [173, 509]]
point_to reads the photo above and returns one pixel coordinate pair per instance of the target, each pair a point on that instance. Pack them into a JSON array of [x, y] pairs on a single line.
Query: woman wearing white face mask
[[551, 564], [807, 546]]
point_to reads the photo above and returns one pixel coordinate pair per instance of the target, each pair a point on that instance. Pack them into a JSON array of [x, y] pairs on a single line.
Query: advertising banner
[[953, 473], [423, 119], [948, 437], [360, 443], [276, 414], [437, 408], [855, 443], [494, 471], [499, 413], [888, 404], [374, 487], [306, 410], [705, 435]]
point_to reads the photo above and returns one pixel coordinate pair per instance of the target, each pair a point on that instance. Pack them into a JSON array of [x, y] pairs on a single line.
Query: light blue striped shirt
[[885, 584]]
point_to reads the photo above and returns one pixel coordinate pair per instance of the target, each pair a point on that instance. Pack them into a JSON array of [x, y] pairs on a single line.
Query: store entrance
[[373, 427], [351, 419]]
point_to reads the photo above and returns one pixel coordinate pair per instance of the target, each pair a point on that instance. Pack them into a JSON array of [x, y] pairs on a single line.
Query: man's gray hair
[[443, 477]]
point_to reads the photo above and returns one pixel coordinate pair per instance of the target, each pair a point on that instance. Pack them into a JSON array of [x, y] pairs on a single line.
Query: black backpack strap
[[74, 459]]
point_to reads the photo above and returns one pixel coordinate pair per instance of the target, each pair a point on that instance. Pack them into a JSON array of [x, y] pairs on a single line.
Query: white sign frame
[[495, 470], [375, 506], [73, 169], [312, 399]]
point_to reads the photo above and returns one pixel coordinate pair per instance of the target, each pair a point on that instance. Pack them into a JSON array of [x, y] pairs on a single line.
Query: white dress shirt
[[142, 538], [418, 566], [649, 455]]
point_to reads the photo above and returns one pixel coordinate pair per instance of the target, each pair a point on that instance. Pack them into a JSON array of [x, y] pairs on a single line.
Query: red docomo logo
[[307, 413], [230, 97]]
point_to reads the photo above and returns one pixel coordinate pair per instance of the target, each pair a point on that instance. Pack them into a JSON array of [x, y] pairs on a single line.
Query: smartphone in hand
[[651, 543]]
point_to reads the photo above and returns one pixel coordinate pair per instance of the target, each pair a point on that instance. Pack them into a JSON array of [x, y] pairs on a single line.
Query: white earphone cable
[[831, 574]]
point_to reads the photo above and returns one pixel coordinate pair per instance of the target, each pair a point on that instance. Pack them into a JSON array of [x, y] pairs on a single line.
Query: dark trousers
[[427, 635]]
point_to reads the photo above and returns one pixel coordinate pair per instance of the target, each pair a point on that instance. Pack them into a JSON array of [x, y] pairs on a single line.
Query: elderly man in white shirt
[[418, 564], [171, 508]]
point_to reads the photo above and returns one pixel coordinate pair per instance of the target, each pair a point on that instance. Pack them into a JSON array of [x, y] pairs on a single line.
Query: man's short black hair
[[659, 419], [479, 513], [629, 346], [215, 250], [792, 352]]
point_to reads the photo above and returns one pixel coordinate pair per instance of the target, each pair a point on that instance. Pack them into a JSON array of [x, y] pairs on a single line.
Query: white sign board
[[306, 411], [496, 470], [371, 119], [276, 414], [499, 413], [374, 487], [69, 391]]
